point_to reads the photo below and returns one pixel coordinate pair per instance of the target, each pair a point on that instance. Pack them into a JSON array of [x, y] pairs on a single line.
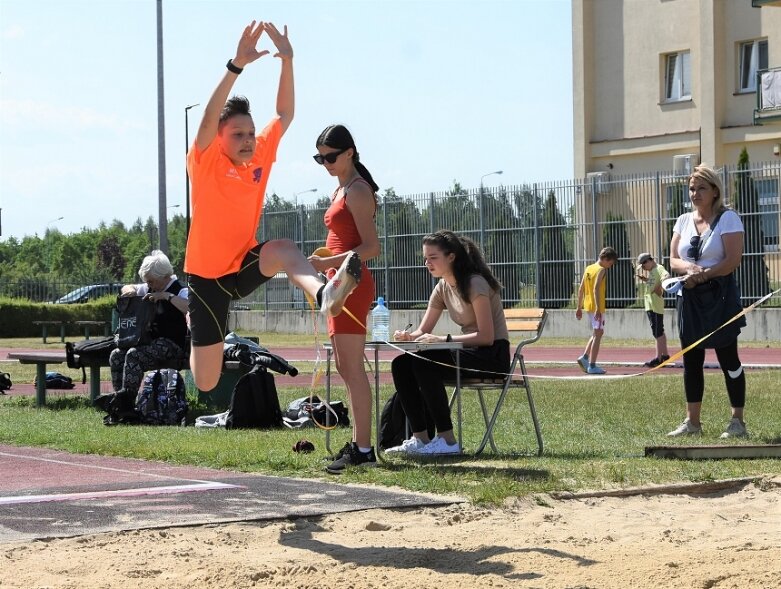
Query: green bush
[[18, 315]]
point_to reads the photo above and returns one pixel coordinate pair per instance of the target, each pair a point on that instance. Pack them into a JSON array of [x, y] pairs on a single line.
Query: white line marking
[[97, 467], [117, 493]]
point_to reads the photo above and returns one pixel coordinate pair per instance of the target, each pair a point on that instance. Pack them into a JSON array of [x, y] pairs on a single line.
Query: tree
[[752, 274], [110, 257], [557, 271], [620, 289]]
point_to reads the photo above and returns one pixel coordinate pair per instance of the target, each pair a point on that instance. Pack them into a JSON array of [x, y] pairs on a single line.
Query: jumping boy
[[229, 166], [591, 298], [654, 304]]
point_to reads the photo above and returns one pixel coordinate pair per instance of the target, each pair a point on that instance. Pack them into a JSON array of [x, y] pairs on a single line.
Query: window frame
[[675, 87], [747, 80]]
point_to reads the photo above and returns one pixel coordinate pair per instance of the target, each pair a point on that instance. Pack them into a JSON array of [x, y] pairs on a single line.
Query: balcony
[[768, 96]]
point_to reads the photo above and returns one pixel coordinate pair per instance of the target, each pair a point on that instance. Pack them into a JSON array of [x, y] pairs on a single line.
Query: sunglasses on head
[[694, 250], [329, 157]]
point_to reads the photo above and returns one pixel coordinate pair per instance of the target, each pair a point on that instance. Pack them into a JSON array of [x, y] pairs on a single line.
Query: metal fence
[[539, 237]]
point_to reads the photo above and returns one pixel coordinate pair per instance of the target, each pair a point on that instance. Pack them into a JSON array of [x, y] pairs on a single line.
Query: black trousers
[[421, 384], [694, 379]]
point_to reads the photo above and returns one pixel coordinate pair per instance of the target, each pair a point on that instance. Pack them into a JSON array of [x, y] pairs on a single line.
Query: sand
[[724, 539]]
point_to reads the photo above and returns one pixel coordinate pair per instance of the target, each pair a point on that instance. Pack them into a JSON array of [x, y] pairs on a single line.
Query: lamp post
[[482, 223], [48, 247], [186, 172], [295, 196]]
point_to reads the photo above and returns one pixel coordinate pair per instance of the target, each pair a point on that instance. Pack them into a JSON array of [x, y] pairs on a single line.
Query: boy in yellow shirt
[[591, 298]]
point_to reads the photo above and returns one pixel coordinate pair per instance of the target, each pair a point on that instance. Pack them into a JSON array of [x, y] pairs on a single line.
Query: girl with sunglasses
[[351, 231], [706, 248], [229, 164]]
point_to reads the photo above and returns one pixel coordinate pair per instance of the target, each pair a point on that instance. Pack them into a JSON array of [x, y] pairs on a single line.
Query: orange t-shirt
[[227, 202]]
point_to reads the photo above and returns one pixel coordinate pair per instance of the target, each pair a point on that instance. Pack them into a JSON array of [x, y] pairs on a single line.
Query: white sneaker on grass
[[687, 428], [438, 446], [411, 446], [735, 429], [341, 285]]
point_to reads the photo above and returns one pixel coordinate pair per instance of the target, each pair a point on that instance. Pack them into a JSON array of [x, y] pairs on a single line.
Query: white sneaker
[[341, 285], [687, 428], [411, 446], [583, 363], [735, 429], [439, 446]]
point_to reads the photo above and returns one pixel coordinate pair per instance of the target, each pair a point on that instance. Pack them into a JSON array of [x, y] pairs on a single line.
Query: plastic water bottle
[[380, 321]]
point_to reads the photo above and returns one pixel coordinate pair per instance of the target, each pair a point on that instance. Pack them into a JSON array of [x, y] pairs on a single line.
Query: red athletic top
[[227, 204], [343, 236]]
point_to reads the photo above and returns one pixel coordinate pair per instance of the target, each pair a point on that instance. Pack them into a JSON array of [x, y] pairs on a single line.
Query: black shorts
[[657, 323], [210, 298]]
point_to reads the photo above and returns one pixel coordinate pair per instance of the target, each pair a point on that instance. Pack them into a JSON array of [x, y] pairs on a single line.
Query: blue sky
[[433, 91]]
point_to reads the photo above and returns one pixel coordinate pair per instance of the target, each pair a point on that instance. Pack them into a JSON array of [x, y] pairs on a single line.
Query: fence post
[[659, 235], [536, 246], [385, 242], [594, 223], [481, 216]]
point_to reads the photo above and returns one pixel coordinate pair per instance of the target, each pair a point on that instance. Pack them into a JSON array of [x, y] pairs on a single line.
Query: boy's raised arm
[[285, 95], [246, 53]]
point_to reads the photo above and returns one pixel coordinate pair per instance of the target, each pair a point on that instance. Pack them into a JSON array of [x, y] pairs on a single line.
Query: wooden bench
[[45, 328], [528, 321], [88, 324]]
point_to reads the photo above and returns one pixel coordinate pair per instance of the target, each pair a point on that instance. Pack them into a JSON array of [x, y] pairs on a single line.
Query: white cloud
[[13, 32]]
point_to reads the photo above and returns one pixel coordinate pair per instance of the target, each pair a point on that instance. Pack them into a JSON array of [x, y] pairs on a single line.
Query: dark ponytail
[[338, 137]]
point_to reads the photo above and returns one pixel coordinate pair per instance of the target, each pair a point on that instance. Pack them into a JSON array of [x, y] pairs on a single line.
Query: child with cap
[[654, 304]]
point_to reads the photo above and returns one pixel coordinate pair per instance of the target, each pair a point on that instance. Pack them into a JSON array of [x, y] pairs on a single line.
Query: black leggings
[[694, 380], [420, 383]]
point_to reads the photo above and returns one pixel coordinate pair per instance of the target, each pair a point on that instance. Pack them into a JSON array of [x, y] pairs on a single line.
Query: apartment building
[[655, 79], [662, 85]]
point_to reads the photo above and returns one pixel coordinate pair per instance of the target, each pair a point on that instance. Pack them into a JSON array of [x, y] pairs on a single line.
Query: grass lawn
[[595, 433]]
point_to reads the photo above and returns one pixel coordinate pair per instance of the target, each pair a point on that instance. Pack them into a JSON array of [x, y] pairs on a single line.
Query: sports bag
[[309, 411], [89, 352], [5, 382], [393, 423], [135, 321], [55, 380], [162, 399], [254, 402]]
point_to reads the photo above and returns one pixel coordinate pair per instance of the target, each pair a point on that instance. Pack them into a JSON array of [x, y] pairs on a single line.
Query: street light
[[295, 196], [54, 221], [488, 174], [186, 172]]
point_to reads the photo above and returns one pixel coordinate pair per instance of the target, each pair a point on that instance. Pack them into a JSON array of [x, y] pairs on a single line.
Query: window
[[767, 191], [678, 77], [753, 57]]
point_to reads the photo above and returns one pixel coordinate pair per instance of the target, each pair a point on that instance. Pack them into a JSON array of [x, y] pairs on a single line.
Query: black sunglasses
[[694, 250], [329, 157]]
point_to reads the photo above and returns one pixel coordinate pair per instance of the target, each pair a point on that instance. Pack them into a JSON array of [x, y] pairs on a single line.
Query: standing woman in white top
[[706, 247]]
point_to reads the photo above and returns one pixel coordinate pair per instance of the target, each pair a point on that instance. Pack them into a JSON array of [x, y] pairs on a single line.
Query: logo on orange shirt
[[232, 173], [256, 174]]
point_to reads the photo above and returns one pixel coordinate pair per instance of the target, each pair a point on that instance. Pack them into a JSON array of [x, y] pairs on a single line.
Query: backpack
[[88, 352], [135, 321], [162, 399], [5, 382], [55, 380], [254, 402], [307, 411], [393, 423]]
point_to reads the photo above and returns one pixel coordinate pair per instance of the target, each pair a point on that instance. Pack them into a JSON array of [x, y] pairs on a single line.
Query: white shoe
[[687, 428], [735, 429], [341, 285], [411, 446], [439, 446]]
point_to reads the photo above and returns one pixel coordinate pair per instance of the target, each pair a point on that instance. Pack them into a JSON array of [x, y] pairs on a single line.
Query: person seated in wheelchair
[[167, 339], [471, 294]]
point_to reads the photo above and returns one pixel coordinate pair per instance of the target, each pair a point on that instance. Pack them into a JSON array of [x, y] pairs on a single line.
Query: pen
[[406, 329]]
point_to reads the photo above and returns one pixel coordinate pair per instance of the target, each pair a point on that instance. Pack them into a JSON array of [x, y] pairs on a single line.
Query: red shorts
[[359, 302]]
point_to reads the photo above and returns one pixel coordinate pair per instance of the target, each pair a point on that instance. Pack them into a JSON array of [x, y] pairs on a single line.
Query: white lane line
[[117, 493], [98, 467]]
